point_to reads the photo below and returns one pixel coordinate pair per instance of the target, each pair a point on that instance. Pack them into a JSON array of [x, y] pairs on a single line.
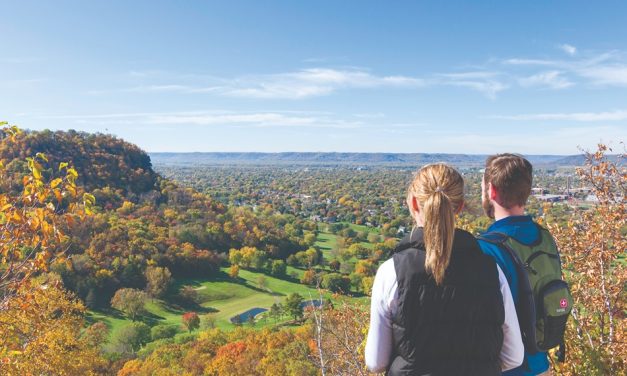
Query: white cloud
[[521, 61], [612, 75], [489, 79], [605, 69], [549, 79], [574, 116], [485, 82], [215, 118], [313, 82], [569, 49], [300, 84]]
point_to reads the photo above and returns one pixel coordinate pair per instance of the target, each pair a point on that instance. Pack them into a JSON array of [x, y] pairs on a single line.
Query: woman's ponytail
[[439, 190], [439, 230]]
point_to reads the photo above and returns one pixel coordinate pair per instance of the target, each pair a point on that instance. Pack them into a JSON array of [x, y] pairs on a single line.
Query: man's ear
[[493, 194]]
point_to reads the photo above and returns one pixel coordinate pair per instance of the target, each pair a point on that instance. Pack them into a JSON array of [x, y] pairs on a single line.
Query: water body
[[245, 316]]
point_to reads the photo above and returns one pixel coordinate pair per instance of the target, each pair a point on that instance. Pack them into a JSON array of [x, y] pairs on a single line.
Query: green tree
[[130, 301], [293, 305], [262, 282], [336, 282], [309, 239], [278, 268], [132, 337], [276, 311], [162, 331], [359, 251]]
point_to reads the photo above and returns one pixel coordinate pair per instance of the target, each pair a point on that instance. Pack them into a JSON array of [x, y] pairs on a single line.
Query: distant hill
[[331, 159]]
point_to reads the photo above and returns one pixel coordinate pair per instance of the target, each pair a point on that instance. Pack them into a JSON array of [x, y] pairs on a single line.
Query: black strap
[[561, 353]]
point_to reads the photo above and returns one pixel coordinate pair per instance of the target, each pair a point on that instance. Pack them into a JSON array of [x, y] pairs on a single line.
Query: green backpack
[[545, 301]]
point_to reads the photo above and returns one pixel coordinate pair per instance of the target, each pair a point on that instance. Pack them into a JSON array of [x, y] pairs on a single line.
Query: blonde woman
[[439, 305]]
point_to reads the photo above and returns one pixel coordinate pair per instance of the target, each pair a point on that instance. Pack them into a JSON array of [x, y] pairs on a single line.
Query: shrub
[[336, 282], [278, 268], [163, 331], [132, 337]]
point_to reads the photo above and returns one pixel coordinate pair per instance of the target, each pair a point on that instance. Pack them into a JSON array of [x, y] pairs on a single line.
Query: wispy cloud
[[490, 79], [602, 69], [215, 118], [549, 79], [300, 84], [574, 116], [611, 74], [486, 82], [313, 82], [569, 49], [525, 61]]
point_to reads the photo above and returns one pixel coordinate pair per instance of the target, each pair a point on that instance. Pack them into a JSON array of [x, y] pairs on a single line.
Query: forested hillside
[[104, 161], [347, 159], [126, 272], [140, 219]]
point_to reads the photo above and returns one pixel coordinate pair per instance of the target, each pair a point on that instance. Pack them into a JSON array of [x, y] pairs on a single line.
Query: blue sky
[[357, 76]]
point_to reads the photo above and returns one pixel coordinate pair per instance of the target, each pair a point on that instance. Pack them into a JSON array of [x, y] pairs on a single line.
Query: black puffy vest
[[451, 329]]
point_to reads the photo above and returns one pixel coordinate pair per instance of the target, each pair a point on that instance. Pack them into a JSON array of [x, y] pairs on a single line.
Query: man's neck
[[501, 212]]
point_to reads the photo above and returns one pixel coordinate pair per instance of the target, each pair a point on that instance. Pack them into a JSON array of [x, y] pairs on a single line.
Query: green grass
[[224, 297], [326, 242], [220, 296]]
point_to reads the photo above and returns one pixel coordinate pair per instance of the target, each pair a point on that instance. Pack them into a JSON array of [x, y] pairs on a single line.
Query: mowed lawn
[[221, 297], [224, 297]]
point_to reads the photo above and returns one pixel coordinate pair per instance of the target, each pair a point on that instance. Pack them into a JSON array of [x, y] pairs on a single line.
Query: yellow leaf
[[58, 195], [55, 182]]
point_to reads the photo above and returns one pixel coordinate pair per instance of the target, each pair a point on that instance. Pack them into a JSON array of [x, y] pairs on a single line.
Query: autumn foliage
[[40, 323], [41, 334], [593, 245], [239, 352], [191, 321]]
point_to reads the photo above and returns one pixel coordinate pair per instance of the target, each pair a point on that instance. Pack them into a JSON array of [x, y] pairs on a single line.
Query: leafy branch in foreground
[[593, 245], [33, 219]]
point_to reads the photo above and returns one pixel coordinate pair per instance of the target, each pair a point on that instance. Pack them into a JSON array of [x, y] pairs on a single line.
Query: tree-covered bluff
[[141, 219], [103, 160]]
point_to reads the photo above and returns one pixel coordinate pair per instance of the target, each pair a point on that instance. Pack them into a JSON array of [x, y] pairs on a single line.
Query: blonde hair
[[439, 191]]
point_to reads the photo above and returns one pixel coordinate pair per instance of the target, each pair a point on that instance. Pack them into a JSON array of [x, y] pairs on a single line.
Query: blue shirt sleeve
[[505, 262]]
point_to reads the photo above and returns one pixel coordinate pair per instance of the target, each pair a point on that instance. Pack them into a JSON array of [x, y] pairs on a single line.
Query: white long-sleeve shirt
[[385, 302]]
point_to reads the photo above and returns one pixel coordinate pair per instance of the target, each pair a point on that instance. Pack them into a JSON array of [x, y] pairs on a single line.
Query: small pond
[[245, 316]]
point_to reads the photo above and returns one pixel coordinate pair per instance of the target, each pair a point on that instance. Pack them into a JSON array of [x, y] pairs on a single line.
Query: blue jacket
[[523, 229]]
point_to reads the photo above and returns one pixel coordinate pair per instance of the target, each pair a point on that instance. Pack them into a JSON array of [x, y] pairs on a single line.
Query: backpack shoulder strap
[[494, 237], [501, 239]]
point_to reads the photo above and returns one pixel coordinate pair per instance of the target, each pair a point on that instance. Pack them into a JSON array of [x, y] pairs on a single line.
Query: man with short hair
[[506, 185]]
